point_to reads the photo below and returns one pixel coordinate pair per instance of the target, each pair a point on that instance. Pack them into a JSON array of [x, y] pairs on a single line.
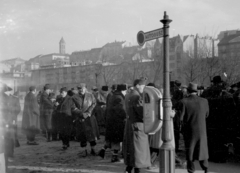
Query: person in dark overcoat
[[99, 110], [86, 124], [194, 111], [108, 100], [116, 122], [47, 109], [135, 143], [56, 120], [31, 116], [107, 144], [65, 111]]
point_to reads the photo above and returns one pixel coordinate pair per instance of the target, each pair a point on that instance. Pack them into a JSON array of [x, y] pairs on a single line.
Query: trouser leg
[[129, 169], [9, 147], [115, 150], [190, 166], [137, 170], [30, 135], [204, 164], [66, 130], [177, 138]]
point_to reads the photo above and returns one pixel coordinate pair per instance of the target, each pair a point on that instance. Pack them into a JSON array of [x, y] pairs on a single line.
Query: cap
[[114, 86], [81, 85], [32, 88], [47, 86], [63, 89], [104, 88], [178, 83], [192, 87], [140, 81], [122, 87]]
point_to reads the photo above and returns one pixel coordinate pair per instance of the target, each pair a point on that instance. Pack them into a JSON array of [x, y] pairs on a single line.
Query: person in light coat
[[135, 143]]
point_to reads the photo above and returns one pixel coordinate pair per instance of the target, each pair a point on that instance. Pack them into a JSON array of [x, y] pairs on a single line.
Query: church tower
[[62, 46]]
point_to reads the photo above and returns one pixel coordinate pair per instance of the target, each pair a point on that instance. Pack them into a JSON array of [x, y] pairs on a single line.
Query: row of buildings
[[182, 48]]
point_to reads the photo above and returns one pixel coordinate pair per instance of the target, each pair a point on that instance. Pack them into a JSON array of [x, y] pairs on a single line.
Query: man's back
[[194, 111]]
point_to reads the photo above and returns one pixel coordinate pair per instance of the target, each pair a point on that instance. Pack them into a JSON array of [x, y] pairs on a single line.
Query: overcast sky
[[32, 27]]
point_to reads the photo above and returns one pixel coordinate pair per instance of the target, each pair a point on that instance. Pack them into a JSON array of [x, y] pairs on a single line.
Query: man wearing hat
[[177, 95], [194, 111], [65, 110], [215, 90], [86, 124], [99, 110], [136, 150], [108, 100], [106, 115], [31, 114], [116, 122], [47, 109]]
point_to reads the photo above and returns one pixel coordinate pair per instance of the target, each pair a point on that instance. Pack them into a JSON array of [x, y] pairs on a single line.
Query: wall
[[96, 75]]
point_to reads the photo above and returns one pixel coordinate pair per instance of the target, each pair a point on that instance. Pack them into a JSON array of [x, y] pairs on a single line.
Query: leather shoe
[[101, 153], [32, 143], [64, 147], [93, 152]]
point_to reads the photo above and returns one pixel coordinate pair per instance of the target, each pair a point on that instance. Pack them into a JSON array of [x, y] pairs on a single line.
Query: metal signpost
[[167, 151], [151, 35]]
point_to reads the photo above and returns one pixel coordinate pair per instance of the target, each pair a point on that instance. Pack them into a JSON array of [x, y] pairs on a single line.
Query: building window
[[172, 66], [172, 57]]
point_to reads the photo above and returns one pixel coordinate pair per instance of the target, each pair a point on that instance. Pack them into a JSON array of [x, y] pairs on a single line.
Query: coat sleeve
[[92, 106], [100, 99], [34, 106], [75, 110], [76, 101], [181, 107], [138, 107], [17, 107], [46, 101]]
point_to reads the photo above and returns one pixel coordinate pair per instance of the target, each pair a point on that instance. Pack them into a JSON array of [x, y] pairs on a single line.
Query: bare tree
[[191, 70], [157, 63], [231, 66], [111, 73], [204, 65]]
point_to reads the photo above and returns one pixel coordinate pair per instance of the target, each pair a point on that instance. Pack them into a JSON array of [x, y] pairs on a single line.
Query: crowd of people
[[81, 115]]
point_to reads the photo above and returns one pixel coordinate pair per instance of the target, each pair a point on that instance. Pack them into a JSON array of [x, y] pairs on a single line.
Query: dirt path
[[49, 157]]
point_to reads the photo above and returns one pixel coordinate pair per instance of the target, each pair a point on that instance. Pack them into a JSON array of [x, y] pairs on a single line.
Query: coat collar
[[192, 95], [136, 92], [119, 93], [66, 98]]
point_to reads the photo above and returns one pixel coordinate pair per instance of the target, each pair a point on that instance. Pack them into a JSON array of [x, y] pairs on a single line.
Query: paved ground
[[49, 157]]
